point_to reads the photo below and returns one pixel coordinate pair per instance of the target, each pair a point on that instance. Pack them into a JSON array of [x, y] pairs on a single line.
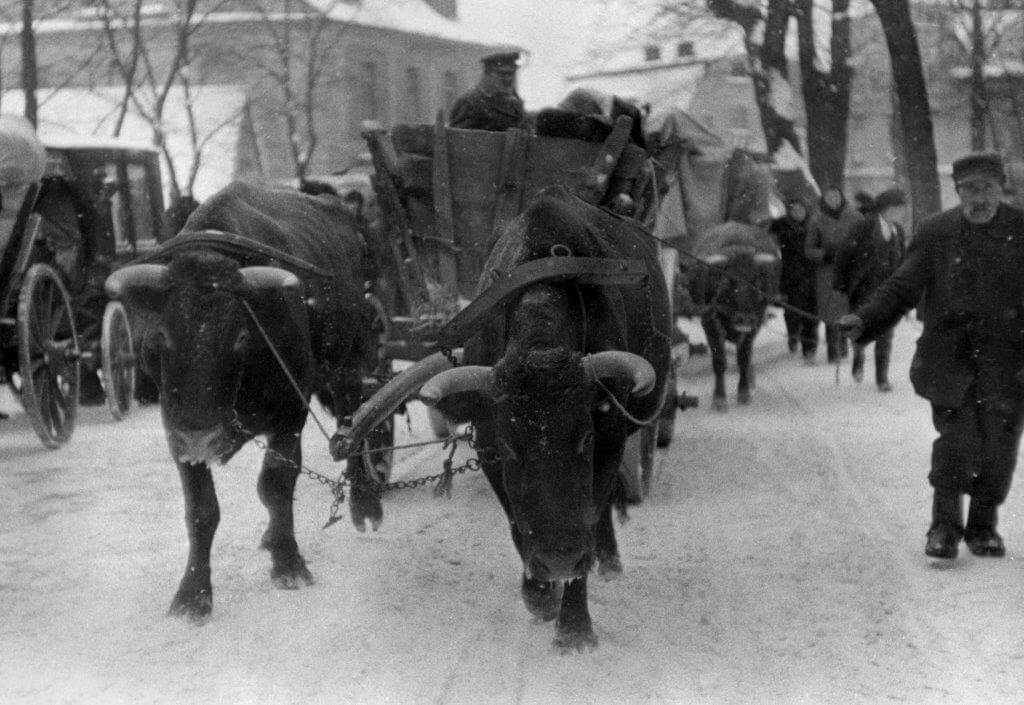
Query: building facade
[[390, 61]]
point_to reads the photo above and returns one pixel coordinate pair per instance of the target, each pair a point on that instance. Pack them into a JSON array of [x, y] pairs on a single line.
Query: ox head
[[540, 397], [196, 338], [740, 283]]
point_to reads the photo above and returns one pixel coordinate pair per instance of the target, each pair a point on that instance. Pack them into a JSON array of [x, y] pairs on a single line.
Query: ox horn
[[388, 398], [624, 365], [269, 278], [765, 258], [152, 276], [715, 259], [469, 378]]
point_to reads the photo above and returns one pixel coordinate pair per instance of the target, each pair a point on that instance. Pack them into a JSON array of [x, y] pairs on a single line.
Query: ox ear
[[622, 365], [139, 285]]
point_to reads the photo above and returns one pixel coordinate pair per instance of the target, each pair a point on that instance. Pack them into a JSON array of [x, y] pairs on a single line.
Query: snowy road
[[779, 560]]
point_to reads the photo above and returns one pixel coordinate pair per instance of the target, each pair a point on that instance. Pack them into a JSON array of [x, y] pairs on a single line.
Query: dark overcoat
[[867, 259], [966, 282], [797, 281], [477, 110]]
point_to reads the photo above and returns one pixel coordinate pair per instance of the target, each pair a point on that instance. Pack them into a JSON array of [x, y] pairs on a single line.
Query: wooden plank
[[596, 185], [444, 219], [511, 180]]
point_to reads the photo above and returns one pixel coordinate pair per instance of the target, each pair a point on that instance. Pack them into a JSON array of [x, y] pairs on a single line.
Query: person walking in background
[[826, 232], [797, 280], [872, 252], [967, 263]]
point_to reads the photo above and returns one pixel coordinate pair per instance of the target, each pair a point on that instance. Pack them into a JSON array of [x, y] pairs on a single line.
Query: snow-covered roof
[[85, 117], [408, 16]]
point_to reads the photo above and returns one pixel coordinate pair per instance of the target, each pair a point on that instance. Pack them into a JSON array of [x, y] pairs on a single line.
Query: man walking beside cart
[[963, 272]]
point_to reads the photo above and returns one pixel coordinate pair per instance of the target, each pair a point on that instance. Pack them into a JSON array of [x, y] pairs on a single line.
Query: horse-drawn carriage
[[71, 213]]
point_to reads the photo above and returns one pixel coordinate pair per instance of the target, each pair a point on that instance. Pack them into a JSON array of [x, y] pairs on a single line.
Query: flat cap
[[979, 163], [889, 198], [501, 60]]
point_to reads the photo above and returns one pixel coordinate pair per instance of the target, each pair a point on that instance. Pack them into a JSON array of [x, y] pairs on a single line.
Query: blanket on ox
[[633, 318]]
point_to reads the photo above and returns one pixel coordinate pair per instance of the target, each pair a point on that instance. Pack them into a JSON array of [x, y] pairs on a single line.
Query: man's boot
[[980, 535], [947, 525]]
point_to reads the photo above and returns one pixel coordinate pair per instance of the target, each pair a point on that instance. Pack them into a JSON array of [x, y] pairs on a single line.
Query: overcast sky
[[556, 32]]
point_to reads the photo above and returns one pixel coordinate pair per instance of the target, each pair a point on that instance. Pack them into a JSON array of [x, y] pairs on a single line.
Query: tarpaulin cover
[[22, 157]]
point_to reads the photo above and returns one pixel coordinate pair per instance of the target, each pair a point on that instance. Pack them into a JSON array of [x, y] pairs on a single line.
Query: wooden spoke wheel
[[48, 355], [118, 360]]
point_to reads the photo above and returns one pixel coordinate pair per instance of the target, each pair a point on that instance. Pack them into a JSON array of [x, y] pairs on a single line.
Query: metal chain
[[337, 486]]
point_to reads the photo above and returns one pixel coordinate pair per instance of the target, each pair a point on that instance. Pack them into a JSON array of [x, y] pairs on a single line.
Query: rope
[[284, 368], [622, 410]]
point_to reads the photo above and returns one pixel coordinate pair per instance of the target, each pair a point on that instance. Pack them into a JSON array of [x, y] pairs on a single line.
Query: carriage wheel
[[118, 358], [48, 355]]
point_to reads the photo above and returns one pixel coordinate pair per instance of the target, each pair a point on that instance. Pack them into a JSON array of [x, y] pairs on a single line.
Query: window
[[684, 49], [450, 88], [652, 52], [365, 95], [413, 96]]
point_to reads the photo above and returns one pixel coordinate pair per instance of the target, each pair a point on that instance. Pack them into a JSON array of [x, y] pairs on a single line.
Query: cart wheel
[[648, 438], [48, 355], [118, 358], [667, 421]]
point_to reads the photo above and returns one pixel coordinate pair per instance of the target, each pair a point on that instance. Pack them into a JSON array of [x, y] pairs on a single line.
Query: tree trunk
[[29, 68], [826, 94], [767, 63], [915, 113], [979, 94]]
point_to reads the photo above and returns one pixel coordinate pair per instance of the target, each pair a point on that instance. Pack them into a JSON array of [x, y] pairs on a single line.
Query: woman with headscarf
[[797, 282], [826, 232]]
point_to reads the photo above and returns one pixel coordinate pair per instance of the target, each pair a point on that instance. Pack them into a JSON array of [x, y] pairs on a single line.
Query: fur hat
[[889, 198], [979, 163]]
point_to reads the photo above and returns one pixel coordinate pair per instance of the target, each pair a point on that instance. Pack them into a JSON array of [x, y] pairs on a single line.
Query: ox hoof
[[542, 599], [570, 641], [195, 606], [720, 404], [609, 567], [291, 575], [743, 397], [366, 511]]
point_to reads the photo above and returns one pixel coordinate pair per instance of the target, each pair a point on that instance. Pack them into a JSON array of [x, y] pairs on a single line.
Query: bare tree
[[917, 142], [149, 77], [29, 68], [295, 56]]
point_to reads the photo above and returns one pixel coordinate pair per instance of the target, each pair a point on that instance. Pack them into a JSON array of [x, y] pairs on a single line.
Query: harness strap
[[585, 270], [232, 244]]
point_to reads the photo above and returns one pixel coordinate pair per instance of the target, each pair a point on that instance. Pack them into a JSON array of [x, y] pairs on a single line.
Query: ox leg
[[716, 343], [744, 350], [609, 565], [194, 598], [276, 487], [575, 631]]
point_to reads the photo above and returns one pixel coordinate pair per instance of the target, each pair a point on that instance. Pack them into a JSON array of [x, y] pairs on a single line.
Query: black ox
[[545, 383], [221, 384], [735, 286]]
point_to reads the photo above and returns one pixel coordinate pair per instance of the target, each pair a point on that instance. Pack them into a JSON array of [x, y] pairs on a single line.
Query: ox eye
[[241, 342]]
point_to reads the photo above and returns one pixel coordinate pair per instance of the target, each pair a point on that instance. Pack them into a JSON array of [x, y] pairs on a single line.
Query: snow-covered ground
[[778, 560]]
